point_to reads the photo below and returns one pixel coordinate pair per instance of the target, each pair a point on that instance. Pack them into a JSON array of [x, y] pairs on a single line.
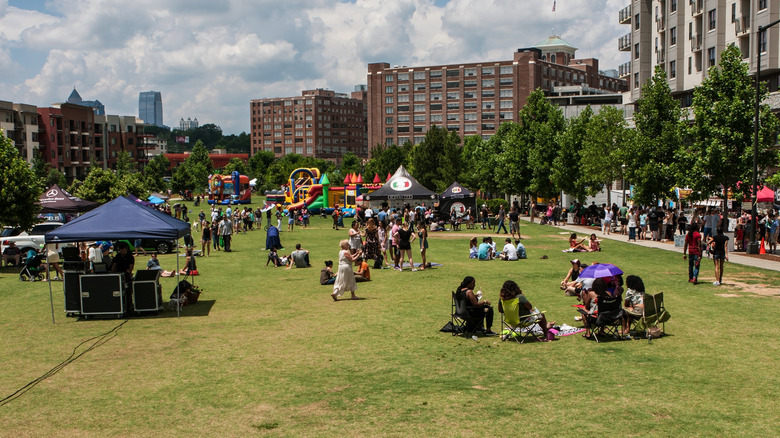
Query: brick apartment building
[[319, 123], [19, 123], [473, 98]]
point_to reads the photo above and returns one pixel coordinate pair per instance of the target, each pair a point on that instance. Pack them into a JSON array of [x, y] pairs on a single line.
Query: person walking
[[205, 240], [693, 249], [720, 253], [501, 218], [345, 277]]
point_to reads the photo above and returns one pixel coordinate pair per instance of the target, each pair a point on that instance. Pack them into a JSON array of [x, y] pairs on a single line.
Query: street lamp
[[753, 245]]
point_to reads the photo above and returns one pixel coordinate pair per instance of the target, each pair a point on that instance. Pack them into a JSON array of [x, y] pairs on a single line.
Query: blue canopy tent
[[155, 200], [121, 218]]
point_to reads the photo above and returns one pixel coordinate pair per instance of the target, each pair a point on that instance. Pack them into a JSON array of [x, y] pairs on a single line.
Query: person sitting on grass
[[520, 250], [299, 258], [485, 251], [473, 248], [273, 257], [510, 290], [362, 273], [326, 275], [575, 246], [595, 244], [509, 252], [568, 285]]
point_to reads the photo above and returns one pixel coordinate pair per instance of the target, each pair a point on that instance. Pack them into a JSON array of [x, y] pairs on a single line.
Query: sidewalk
[[736, 258]]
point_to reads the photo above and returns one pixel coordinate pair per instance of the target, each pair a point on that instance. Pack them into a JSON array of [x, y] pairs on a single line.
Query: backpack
[[378, 262]]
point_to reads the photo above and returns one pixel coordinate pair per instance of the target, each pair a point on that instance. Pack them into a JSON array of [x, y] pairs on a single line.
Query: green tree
[[236, 144], [39, 166], [198, 167], [435, 162], [540, 122], [258, 166], [55, 177], [125, 164], [20, 188], [505, 160], [235, 164], [387, 159], [566, 169], [350, 163], [155, 172], [720, 153], [100, 186], [650, 159], [135, 183], [603, 150], [181, 179]]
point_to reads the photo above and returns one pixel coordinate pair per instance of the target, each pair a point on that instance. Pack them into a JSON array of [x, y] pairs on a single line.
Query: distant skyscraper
[[96, 105], [150, 108]]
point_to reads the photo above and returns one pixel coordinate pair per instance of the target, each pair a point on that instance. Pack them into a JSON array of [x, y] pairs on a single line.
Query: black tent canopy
[[57, 200], [401, 187], [457, 198]]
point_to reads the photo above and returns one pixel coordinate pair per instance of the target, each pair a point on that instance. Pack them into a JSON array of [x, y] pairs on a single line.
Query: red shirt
[[693, 241]]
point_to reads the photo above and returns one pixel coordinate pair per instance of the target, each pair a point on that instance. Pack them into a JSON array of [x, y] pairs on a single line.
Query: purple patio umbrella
[[601, 270]]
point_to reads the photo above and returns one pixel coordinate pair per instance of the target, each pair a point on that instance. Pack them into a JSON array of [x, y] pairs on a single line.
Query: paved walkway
[[668, 246]]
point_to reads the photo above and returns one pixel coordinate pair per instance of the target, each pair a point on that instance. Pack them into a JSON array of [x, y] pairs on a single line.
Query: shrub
[[495, 204]]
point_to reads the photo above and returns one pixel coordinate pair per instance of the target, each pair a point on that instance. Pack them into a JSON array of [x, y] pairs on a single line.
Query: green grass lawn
[[268, 353]]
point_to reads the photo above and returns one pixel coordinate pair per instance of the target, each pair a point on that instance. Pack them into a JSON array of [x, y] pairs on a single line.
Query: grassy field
[[268, 353]]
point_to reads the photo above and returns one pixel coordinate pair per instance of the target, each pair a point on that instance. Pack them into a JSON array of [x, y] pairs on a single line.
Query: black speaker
[[147, 296], [72, 287], [102, 294]]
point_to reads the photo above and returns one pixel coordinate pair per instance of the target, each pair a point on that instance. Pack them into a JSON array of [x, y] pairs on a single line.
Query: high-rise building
[[19, 123], [188, 124], [319, 123], [474, 98], [150, 108], [96, 105], [687, 37]]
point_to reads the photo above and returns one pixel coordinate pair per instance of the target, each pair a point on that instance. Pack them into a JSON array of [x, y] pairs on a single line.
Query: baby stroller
[[32, 269]]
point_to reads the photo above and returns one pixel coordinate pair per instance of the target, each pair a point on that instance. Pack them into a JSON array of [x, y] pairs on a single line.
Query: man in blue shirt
[[484, 250]]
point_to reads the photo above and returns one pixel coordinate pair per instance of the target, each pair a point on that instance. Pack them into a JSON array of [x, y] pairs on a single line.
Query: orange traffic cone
[[763, 249]]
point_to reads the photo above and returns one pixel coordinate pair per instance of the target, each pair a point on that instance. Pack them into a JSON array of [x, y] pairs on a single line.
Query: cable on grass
[[97, 341]]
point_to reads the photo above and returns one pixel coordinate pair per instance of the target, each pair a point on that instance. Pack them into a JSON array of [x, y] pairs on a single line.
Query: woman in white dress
[[345, 278]]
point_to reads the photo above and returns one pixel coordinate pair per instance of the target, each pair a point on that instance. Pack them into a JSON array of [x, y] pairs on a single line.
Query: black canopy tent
[[121, 218], [457, 198], [57, 200], [400, 188]]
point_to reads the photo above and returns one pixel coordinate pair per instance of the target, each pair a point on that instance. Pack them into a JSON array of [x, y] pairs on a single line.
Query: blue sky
[[210, 57]]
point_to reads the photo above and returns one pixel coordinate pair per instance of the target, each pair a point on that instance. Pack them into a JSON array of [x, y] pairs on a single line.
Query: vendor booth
[[458, 199], [106, 293], [57, 200], [400, 189]]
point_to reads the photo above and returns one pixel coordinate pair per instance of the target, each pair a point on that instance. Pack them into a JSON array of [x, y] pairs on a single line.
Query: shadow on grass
[[201, 308]]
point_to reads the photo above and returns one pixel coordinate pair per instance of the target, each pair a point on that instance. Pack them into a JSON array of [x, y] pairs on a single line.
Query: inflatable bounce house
[[229, 189], [308, 187]]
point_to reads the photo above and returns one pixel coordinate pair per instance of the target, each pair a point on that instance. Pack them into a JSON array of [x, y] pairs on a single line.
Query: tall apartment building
[[686, 37], [319, 123], [473, 98], [188, 124], [19, 123], [150, 108]]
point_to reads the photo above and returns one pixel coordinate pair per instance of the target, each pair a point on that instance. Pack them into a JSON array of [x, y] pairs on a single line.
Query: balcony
[[624, 70], [661, 54], [624, 43], [696, 43], [696, 7], [624, 16], [660, 22], [742, 26]]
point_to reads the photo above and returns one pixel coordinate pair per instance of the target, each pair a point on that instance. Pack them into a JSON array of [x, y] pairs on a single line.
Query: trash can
[[731, 242], [679, 240], [571, 219]]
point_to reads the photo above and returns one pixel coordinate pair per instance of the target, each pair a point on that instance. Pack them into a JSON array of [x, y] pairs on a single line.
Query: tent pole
[[178, 282], [51, 296]]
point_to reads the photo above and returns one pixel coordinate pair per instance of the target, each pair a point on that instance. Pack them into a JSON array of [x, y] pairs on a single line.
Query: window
[[402, 98], [419, 108], [488, 83], [505, 104], [711, 56], [436, 118], [673, 6], [419, 117], [761, 4], [470, 116], [453, 84], [672, 69], [505, 70], [403, 119], [762, 42], [636, 51], [388, 110], [470, 105], [388, 78], [507, 81], [435, 96], [488, 105], [453, 106], [690, 65], [453, 73], [488, 93], [552, 58], [436, 74], [470, 127], [435, 85], [469, 94], [711, 19], [419, 87], [488, 71], [673, 36], [403, 76], [388, 131], [506, 115], [636, 21], [453, 117], [388, 120], [419, 75], [470, 83], [636, 80], [453, 95], [388, 99], [435, 107], [419, 98], [403, 108]]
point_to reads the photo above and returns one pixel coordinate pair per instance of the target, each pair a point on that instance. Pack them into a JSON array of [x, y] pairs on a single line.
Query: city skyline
[[212, 57]]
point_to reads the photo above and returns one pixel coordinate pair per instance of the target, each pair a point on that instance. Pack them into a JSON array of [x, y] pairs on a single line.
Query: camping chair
[[609, 319], [654, 313], [462, 319], [515, 327]]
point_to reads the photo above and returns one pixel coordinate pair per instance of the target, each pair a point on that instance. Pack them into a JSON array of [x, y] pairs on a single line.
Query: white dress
[[345, 278]]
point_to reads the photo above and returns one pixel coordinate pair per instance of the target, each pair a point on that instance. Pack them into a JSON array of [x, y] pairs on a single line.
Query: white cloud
[[210, 57]]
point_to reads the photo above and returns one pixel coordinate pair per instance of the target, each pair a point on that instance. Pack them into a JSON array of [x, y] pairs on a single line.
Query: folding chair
[[654, 313], [462, 319], [608, 320], [515, 327]]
